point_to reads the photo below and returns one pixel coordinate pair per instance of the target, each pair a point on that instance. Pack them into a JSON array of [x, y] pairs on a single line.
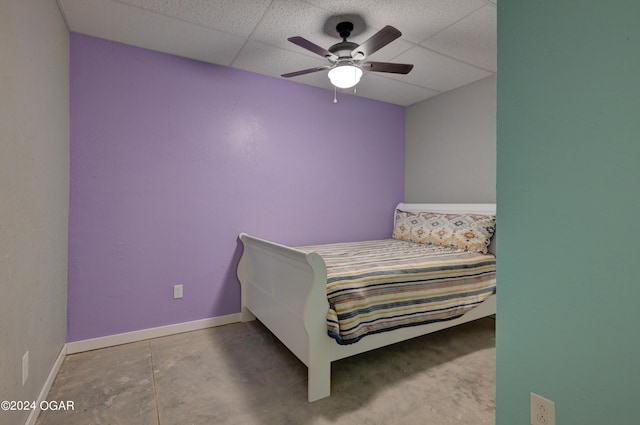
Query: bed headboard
[[486, 209]]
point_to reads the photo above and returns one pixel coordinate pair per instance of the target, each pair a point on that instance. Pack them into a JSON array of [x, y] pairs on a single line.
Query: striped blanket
[[376, 286]]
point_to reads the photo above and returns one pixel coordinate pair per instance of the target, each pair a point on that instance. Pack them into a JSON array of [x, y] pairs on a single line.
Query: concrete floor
[[240, 374]]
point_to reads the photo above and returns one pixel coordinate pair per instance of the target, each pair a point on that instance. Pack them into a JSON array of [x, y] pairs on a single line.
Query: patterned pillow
[[467, 232]]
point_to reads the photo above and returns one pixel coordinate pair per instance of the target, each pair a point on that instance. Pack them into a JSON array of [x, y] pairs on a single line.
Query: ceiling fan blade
[[376, 42], [312, 47], [394, 68], [305, 71]]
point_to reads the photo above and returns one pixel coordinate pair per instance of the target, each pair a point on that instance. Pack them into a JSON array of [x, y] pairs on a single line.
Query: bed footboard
[[286, 290]]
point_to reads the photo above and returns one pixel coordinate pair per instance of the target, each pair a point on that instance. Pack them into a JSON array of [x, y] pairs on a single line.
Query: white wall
[[451, 146], [34, 194]]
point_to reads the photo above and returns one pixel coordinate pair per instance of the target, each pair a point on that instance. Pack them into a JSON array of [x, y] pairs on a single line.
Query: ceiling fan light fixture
[[345, 76]]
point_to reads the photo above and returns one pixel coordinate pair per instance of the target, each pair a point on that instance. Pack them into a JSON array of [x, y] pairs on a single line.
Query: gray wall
[[451, 146], [34, 194]]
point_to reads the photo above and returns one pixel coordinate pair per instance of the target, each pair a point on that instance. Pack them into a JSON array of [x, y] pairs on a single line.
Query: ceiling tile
[[437, 72], [391, 50], [268, 60], [288, 18], [233, 16], [134, 26], [378, 87], [416, 19], [472, 39]]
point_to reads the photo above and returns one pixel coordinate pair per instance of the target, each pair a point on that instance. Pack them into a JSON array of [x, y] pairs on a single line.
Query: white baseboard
[[141, 335], [33, 416]]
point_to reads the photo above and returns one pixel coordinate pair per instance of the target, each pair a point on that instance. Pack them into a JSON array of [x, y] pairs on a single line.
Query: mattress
[[378, 286]]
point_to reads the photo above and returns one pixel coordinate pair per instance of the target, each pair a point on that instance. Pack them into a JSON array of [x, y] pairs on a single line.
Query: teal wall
[[568, 200]]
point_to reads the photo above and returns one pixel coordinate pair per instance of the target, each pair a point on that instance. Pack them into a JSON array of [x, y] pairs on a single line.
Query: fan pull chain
[[335, 90]]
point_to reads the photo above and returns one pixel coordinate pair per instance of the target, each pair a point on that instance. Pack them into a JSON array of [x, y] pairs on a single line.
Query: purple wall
[[172, 158]]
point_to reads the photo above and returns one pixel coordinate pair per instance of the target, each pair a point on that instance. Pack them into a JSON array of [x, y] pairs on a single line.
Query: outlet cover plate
[[543, 411], [177, 292]]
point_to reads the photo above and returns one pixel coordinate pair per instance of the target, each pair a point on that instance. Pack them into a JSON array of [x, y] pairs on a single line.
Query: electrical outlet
[[25, 367], [543, 411], [177, 291]]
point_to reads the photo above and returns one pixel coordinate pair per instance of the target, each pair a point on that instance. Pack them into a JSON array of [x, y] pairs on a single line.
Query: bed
[[286, 288]]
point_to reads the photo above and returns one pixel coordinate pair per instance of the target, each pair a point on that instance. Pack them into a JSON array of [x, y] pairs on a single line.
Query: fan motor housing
[[343, 49]]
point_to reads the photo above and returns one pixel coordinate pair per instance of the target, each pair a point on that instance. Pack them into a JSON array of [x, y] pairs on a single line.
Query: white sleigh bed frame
[[285, 289]]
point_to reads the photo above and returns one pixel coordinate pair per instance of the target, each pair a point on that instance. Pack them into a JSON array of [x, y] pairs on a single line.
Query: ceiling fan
[[346, 59]]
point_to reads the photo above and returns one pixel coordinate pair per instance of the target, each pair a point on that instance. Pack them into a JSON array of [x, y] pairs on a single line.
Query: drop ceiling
[[451, 42]]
